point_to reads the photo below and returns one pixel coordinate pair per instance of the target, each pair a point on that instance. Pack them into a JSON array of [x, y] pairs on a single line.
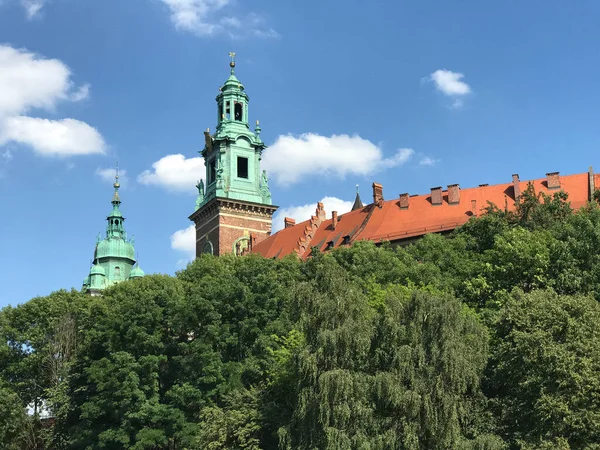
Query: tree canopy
[[486, 339]]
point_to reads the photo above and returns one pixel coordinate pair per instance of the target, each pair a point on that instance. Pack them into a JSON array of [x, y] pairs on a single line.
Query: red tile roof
[[390, 222]]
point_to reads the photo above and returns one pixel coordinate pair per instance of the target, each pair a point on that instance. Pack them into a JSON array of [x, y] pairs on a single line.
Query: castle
[[234, 210]]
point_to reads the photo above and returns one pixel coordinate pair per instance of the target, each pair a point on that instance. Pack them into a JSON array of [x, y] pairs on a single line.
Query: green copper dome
[[114, 256], [97, 270], [115, 248], [137, 272]]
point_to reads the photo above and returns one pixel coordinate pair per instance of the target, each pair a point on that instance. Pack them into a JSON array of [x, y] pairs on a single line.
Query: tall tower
[[235, 210], [114, 256]]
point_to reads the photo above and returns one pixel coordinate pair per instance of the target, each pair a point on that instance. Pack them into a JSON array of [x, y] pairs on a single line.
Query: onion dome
[[97, 269], [136, 272]]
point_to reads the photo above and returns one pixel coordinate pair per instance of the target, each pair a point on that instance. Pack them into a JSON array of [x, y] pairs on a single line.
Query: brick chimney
[[591, 182], [334, 220], [436, 195], [516, 186], [289, 222], [378, 194], [553, 179], [474, 207], [453, 194], [404, 201]]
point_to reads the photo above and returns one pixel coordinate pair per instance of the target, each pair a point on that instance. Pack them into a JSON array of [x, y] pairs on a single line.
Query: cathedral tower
[[234, 210], [114, 256]]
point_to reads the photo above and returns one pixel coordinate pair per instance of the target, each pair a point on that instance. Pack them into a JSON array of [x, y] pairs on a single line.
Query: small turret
[[358, 204], [136, 272]]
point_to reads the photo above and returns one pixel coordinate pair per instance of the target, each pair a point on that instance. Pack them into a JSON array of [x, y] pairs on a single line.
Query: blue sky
[[411, 94]]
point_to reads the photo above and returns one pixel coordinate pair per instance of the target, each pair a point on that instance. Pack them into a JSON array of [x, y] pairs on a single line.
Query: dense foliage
[[485, 339]]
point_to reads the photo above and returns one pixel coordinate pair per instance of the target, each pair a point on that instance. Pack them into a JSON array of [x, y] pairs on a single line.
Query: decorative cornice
[[218, 204]]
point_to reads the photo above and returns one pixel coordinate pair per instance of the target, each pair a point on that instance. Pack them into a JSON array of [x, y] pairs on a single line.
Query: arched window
[[238, 111], [208, 248], [117, 271]]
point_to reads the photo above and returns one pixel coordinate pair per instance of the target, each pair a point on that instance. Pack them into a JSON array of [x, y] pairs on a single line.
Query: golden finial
[[232, 56], [117, 185]]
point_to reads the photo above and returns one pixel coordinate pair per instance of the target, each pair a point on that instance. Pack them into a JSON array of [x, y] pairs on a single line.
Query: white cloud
[[427, 161], [304, 212], [450, 84], [201, 17], [185, 241], [30, 82], [175, 172], [108, 175], [52, 137], [292, 158], [32, 7]]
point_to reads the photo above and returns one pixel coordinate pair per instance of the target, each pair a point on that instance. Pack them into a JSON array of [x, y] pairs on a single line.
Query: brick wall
[[223, 222]]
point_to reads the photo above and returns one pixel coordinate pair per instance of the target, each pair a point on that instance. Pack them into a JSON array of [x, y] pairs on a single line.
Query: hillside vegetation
[[488, 339]]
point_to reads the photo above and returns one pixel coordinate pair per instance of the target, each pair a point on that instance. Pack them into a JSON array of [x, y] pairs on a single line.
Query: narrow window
[[238, 111], [117, 272], [242, 167], [212, 171], [227, 110], [220, 111]]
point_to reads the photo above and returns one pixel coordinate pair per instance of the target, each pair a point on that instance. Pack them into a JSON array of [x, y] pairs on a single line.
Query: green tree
[[405, 374], [545, 369], [14, 424]]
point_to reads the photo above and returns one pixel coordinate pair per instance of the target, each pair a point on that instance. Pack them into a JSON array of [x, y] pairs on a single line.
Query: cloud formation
[[205, 18], [29, 83], [427, 161], [174, 172], [185, 241], [108, 175], [303, 212], [450, 84], [292, 158], [32, 7]]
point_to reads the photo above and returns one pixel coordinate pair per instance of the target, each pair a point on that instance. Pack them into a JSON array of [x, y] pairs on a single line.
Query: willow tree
[[404, 374]]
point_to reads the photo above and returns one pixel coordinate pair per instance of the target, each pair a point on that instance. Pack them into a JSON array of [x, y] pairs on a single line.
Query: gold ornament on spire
[[232, 56], [117, 185]]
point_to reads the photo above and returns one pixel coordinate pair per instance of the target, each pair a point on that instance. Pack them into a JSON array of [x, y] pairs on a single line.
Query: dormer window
[[238, 111], [346, 240]]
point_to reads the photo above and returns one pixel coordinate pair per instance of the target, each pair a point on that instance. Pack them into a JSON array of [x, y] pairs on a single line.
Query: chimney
[[591, 183], [334, 218], [289, 222], [378, 194], [436, 195], [553, 179], [474, 207], [404, 201], [516, 186], [453, 194]]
